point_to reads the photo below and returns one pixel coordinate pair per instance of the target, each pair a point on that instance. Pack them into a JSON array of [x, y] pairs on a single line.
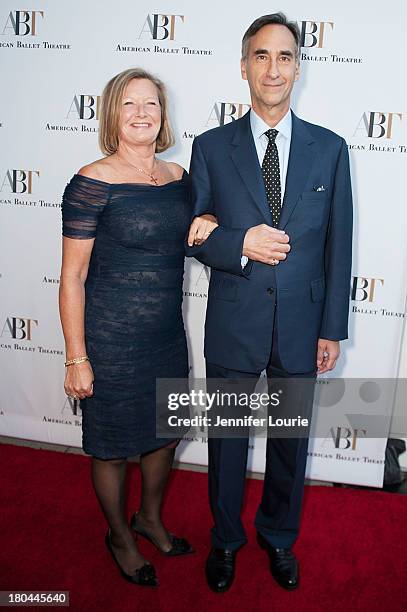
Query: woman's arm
[[75, 263]]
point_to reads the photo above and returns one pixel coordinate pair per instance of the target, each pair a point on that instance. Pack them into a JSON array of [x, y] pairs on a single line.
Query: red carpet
[[353, 545]]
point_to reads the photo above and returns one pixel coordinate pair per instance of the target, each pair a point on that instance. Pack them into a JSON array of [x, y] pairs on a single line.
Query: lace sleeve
[[82, 204]]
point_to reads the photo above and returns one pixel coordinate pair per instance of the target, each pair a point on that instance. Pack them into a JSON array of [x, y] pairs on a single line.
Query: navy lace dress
[[133, 320]]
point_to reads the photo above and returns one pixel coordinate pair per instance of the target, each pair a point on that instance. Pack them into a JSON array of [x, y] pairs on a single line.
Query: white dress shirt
[[283, 141]]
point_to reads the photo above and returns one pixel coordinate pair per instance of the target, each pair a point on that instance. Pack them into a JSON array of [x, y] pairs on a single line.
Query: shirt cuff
[[243, 261]]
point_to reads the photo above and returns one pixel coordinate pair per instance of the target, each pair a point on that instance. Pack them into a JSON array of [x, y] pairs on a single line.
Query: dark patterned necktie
[[271, 176]]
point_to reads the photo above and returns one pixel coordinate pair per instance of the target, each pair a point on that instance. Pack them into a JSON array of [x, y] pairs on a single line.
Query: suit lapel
[[301, 159], [302, 156], [244, 156]]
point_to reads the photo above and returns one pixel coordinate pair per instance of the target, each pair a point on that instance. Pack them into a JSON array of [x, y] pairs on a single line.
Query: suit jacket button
[[270, 290]]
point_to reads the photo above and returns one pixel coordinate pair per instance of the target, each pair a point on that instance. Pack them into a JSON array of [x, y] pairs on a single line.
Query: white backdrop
[[56, 58]]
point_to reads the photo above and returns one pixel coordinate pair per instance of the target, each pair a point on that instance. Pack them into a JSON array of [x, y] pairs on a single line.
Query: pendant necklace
[[150, 176]]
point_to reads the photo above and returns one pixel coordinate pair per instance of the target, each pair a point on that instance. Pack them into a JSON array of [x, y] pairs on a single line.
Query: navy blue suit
[[303, 298]]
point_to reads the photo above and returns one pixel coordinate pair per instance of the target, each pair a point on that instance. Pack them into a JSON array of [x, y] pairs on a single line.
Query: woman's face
[[140, 118]]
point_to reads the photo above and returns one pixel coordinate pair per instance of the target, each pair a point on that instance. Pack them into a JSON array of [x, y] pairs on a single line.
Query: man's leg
[[278, 516], [227, 463]]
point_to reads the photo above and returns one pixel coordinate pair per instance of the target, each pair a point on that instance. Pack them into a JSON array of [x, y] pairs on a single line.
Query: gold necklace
[[150, 176], [155, 181]]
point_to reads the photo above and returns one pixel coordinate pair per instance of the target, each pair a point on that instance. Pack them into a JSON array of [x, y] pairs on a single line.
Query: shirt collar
[[259, 126]]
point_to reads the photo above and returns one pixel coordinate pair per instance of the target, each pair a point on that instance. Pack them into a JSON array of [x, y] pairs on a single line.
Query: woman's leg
[[155, 470], [108, 479]]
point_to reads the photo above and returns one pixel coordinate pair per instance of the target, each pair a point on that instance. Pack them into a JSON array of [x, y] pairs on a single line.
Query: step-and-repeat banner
[[56, 58]]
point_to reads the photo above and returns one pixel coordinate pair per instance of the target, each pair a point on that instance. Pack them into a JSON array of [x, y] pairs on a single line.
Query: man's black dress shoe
[[180, 546], [144, 576], [220, 569], [283, 564]]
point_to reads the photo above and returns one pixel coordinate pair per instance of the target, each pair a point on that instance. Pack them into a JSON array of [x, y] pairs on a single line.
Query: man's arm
[[224, 248], [338, 261]]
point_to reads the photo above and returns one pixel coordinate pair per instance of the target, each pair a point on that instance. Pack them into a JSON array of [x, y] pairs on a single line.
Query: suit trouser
[[278, 514]]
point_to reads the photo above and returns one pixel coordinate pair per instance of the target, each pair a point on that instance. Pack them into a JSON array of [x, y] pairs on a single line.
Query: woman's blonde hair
[[111, 106]]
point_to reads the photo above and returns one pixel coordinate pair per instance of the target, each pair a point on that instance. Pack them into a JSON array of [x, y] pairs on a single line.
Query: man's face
[[271, 68]]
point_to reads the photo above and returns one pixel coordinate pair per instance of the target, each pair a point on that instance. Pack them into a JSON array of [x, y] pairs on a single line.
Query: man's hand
[[266, 244], [201, 228], [327, 355]]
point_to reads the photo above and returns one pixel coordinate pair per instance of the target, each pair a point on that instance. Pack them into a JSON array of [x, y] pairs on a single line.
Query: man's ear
[[243, 69], [297, 71]]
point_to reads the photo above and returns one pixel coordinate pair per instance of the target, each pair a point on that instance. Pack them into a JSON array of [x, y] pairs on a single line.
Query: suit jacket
[[311, 287]]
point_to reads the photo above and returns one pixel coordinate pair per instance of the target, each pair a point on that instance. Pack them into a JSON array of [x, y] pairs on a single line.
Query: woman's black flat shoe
[[145, 576], [180, 546]]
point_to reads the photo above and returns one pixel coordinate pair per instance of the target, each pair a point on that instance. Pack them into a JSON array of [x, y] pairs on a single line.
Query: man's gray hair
[[273, 19]]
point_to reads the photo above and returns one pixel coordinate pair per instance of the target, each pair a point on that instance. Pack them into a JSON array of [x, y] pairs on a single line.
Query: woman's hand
[[201, 228], [79, 380]]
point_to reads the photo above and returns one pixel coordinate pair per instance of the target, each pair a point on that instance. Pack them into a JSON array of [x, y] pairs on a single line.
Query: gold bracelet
[[76, 360]]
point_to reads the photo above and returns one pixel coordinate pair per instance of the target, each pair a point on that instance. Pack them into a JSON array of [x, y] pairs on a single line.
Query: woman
[[124, 221]]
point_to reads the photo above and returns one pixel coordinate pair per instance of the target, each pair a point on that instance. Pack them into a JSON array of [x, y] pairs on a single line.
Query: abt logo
[[84, 106], [203, 276], [73, 405], [375, 124], [364, 288], [225, 112], [346, 437], [22, 23], [313, 33], [19, 181], [19, 328], [161, 27]]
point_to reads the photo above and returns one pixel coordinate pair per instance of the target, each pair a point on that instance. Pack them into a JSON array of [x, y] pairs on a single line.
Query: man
[[279, 289]]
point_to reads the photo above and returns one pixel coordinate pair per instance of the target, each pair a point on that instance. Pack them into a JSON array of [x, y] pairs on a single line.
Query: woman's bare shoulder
[[175, 169], [101, 169]]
